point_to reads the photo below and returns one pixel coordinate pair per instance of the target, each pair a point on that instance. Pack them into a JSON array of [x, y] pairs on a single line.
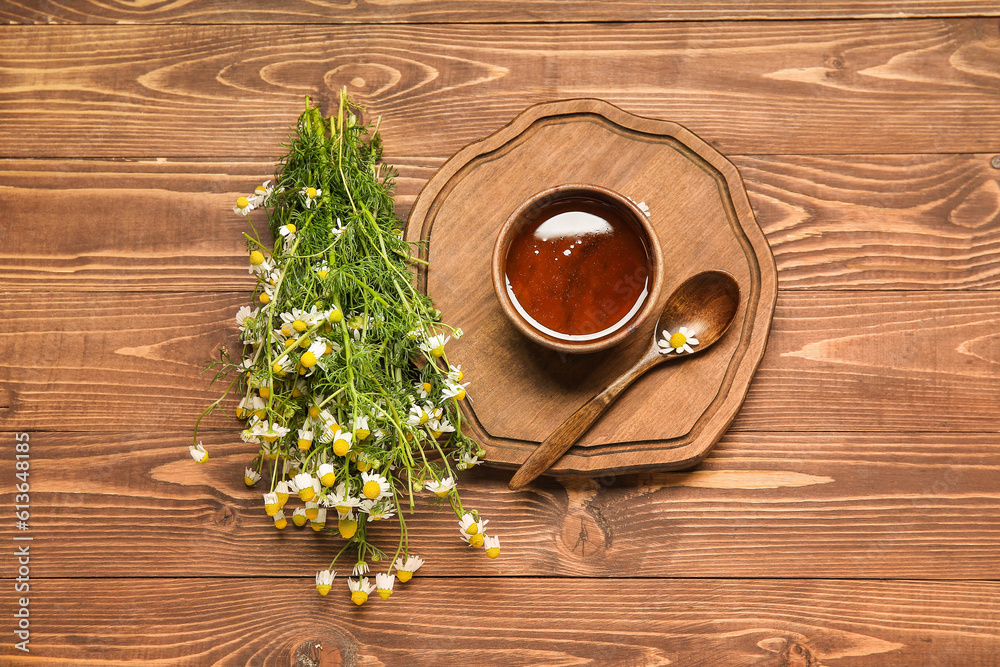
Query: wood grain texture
[[514, 622], [833, 222], [841, 505], [835, 361], [746, 87], [462, 11]]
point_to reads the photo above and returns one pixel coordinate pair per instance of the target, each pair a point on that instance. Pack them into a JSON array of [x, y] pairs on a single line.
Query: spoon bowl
[[695, 316]]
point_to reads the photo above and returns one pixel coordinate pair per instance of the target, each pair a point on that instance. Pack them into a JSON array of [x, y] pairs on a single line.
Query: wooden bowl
[[596, 331]]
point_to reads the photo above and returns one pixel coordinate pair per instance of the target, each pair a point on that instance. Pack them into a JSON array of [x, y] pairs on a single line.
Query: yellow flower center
[[278, 368], [472, 529], [256, 258], [296, 392], [362, 433], [286, 329], [314, 412], [242, 202], [476, 540], [347, 528], [441, 494], [305, 342], [265, 392], [299, 520], [281, 523], [437, 351], [322, 273], [460, 376], [317, 526], [323, 588], [299, 326], [312, 513], [308, 359], [304, 444], [403, 575], [249, 481], [371, 489], [341, 447], [335, 315], [384, 593], [328, 479], [307, 493], [423, 418], [290, 227], [678, 340], [264, 298], [460, 395], [493, 552], [311, 193], [271, 509], [359, 597], [364, 466]]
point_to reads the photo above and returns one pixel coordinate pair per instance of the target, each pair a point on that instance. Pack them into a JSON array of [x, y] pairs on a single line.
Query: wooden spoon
[[705, 304]]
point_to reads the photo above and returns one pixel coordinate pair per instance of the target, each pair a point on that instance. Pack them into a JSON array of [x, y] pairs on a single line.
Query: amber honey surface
[[578, 269]]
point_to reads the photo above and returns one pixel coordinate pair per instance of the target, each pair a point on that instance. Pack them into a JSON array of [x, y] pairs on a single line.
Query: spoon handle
[[571, 430]]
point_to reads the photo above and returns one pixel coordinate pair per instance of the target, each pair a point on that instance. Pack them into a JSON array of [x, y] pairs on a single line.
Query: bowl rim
[[654, 252]]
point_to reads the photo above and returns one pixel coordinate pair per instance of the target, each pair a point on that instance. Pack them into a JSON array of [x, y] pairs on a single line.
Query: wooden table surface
[[848, 517]]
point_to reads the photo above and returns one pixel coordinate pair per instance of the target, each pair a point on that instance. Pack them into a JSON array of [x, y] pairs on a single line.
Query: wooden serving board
[[520, 391]]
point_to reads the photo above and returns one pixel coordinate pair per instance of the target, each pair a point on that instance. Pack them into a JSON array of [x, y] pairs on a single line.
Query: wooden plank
[[835, 361], [833, 222], [761, 505], [916, 86], [460, 11], [195, 622]]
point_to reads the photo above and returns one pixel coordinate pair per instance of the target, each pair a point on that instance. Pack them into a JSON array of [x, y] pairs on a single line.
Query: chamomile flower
[[375, 486], [361, 430], [251, 405], [243, 206], [271, 503], [305, 439], [454, 390], [245, 317], [198, 453], [311, 195], [250, 476], [261, 193], [441, 489], [417, 416], [324, 581], [311, 356], [288, 231], [342, 501], [270, 432], [322, 270], [360, 590], [383, 584], [312, 510], [338, 228], [283, 492], [282, 367], [679, 342], [259, 266], [347, 525], [472, 531], [405, 569], [361, 567], [377, 510], [423, 389], [308, 486], [434, 345], [455, 373], [299, 517], [341, 443], [467, 461], [492, 545], [318, 522], [327, 474], [439, 427], [280, 521]]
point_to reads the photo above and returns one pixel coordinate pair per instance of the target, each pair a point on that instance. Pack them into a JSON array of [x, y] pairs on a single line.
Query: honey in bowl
[[578, 267]]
